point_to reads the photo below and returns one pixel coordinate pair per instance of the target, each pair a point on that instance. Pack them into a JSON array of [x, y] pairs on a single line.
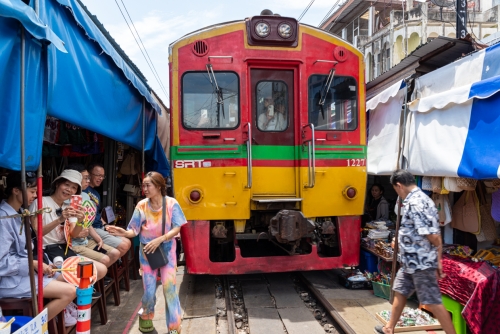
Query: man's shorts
[[108, 239], [423, 281], [88, 250]]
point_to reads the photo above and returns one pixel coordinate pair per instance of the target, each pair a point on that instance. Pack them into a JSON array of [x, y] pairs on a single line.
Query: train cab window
[[272, 106], [209, 103], [338, 110]]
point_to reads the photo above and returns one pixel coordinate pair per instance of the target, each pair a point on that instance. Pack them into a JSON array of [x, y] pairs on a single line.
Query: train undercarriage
[[271, 241]]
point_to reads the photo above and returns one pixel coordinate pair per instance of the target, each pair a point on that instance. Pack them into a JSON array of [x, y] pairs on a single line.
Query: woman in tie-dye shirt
[[147, 224]]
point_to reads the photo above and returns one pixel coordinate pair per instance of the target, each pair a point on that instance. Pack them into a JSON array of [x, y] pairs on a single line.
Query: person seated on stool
[[54, 241], [97, 175], [14, 268], [88, 243]]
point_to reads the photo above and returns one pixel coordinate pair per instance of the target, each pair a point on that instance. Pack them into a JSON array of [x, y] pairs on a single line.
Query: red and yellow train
[[268, 146]]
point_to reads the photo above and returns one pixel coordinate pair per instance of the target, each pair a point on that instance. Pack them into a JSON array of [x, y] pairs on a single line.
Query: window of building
[[340, 108], [364, 21], [350, 32], [201, 107]]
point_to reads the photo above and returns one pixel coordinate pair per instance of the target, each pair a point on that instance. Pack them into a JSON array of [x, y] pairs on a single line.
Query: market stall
[[445, 137], [94, 88]]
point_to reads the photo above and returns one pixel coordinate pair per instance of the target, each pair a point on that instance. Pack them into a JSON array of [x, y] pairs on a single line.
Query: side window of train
[[272, 105], [340, 105], [209, 103]]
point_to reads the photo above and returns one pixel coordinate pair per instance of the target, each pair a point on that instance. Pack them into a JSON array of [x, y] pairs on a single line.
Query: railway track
[[275, 303]]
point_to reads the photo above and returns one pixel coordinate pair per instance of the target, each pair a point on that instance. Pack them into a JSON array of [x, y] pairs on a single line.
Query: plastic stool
[[455, 308], [20, 321]]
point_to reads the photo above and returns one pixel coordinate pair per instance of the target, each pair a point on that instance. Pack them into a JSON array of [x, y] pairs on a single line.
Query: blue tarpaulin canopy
[[13, 15], [90, 86]]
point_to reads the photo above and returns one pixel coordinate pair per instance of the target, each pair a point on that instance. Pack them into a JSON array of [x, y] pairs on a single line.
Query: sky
[[161, 22]]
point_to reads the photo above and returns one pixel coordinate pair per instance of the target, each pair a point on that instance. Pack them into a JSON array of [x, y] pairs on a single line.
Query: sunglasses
[[59, 212]]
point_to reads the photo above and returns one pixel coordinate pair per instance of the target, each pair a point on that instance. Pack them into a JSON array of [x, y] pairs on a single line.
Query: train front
[[268, 146]]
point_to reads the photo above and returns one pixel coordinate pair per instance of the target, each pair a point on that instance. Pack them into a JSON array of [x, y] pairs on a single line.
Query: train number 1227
[[356, 162]]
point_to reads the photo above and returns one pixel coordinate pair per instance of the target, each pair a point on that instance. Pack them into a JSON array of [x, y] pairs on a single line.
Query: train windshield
[[340, 109], [209, 103]]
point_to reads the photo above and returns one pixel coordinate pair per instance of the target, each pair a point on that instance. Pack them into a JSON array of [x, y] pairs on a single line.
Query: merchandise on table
[[383, 249], [378, 234], [411, 317]]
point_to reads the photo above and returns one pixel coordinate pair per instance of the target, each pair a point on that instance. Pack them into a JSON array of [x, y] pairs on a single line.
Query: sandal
[[146, 326]]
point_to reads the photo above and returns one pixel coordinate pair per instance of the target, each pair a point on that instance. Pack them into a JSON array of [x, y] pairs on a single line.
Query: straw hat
[[72, 176]]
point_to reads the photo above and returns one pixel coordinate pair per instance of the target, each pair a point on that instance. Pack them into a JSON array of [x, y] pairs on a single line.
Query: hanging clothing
[[147, 224]]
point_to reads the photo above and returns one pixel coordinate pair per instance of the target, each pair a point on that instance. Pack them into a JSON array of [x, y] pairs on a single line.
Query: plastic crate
[[368, 262], [384, 291], [381, 290]]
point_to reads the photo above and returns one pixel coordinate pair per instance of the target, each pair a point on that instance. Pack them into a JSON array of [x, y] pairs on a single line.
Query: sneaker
[[96, 295], [107, 279], [72, 309], [69, 320]]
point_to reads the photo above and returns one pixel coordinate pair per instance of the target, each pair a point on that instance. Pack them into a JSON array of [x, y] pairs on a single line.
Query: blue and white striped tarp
[[454, 127]]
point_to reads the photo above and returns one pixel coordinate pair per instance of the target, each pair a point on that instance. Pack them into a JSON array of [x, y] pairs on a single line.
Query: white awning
[[384, 129]]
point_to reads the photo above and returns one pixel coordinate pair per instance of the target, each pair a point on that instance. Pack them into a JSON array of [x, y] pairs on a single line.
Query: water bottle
[[2, 318]]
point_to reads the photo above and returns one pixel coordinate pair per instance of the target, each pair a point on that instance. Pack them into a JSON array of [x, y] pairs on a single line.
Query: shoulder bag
[[466, 216], [488, 228], [157, 259]]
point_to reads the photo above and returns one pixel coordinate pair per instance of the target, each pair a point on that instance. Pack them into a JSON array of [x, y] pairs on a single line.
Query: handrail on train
[[249, 156], [311, 157]]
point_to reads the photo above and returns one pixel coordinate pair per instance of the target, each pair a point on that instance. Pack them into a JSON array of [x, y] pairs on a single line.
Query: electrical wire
[[145, 52], [328, 14], [471, 26], [305, 10], [422, 12]]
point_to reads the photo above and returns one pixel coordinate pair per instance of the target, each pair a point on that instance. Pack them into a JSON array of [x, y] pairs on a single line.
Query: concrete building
[[387, 32]]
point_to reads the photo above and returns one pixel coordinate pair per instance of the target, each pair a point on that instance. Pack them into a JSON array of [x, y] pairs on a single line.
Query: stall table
[[371, 250], [476, 285]]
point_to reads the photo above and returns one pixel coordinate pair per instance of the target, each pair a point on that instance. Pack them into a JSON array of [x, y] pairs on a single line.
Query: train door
[[273, 142]]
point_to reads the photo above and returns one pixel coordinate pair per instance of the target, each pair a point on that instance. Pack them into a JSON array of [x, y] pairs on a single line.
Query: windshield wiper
[[324, 91], [218, 90]]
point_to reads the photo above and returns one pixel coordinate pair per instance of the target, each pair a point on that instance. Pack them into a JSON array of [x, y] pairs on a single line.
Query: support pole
[[84, 297], [27, 223], [143, 138], [401, 164], [395, 250], [39, 195], [461, 22], [39, 183]]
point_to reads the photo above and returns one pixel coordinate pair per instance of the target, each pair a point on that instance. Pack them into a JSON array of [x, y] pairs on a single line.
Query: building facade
[[387, 32]]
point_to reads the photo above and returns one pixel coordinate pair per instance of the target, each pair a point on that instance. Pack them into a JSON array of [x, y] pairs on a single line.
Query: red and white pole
[[84, 296]]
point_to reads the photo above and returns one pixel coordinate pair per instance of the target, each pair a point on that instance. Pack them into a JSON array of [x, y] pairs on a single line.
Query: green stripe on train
[[264, 152]]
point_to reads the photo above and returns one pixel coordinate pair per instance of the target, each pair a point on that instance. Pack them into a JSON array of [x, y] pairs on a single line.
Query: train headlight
[[285, 30], [350, 193], [262, 29], [195, 196]]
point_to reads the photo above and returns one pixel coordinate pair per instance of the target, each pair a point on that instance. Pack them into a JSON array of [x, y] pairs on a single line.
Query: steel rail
[[229, 308], [329, 307]]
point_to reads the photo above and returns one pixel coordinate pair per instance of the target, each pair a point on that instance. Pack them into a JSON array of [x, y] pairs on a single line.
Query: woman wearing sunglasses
[[147, 223]]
